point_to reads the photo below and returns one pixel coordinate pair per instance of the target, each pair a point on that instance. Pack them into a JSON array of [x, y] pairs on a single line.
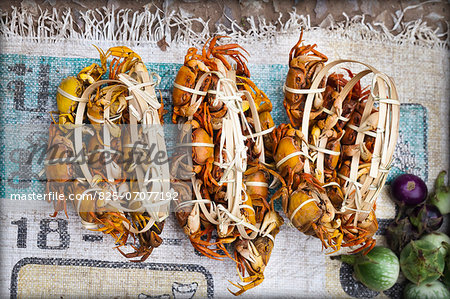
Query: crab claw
[[245, 250], [193, 221], [272, 221], [122, 51], [370, 123], [366, 155]]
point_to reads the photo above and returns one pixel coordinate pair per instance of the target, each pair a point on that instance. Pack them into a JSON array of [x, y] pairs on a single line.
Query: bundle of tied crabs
[[229, 153]]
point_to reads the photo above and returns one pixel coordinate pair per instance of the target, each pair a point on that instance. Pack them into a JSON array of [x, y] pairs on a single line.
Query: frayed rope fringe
[[144, 27]]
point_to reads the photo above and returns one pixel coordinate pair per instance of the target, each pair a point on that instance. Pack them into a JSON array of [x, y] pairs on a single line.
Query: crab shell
[[285, 147], [72, 86], [201, 154], [308, 214], [187, 76], [259, 192]]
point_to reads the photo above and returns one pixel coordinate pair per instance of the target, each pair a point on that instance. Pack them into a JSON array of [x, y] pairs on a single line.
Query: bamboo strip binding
[[227, 92], [361, 193], [115, 194], [146, 108]]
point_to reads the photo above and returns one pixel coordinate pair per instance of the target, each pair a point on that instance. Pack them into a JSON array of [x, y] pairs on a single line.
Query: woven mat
[[54, 257]]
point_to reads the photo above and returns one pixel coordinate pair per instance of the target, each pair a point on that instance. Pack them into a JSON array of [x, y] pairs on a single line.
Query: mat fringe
[[146, 27]]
